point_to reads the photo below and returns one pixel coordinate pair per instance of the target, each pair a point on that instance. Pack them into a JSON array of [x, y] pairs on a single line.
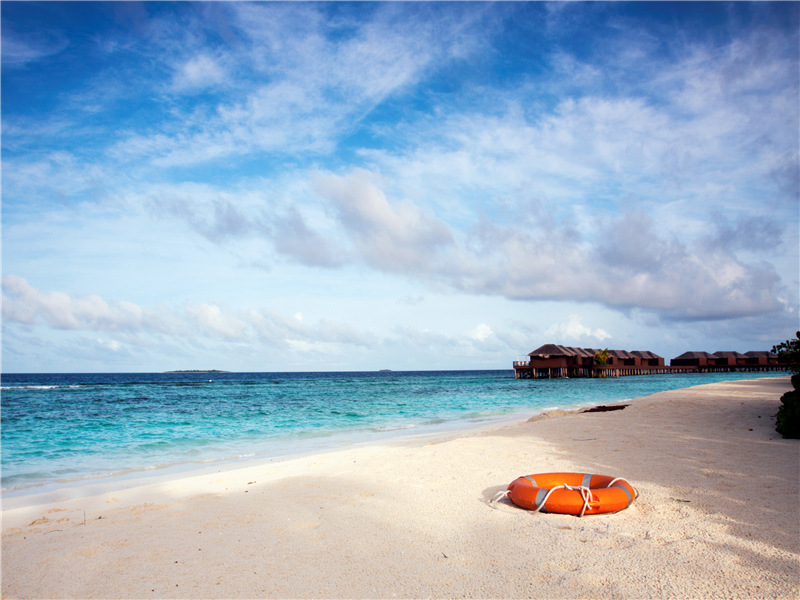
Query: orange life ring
[[572, 493]]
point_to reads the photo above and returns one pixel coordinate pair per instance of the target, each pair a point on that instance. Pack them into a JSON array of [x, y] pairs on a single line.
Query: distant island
[[198, 371]]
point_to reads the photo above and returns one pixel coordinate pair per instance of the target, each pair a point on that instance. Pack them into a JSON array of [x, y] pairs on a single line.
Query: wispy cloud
[[95, 326], [20, 49], [24, 304], [199, 72], [399, 236], [592, 155], [312, 79]]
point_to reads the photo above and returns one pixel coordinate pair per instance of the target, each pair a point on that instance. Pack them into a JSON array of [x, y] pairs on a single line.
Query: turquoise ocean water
[[74, 428]]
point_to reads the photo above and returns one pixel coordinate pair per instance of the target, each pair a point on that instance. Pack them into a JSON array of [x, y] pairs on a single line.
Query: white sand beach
[[718, 515]]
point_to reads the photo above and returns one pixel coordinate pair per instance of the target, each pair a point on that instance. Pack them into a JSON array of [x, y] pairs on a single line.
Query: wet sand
[[718, 515]]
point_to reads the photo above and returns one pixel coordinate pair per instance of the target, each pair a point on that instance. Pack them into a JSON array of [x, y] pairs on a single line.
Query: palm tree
[[601, 358]]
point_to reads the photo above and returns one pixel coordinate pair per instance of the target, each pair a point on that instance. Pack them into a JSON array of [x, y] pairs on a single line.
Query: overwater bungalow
[[693, 359], [649, 359], [556, 361], [729, 359], [761, 358]]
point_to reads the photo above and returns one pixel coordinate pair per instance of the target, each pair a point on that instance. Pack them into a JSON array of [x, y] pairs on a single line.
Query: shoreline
[[412, 515], [285, 447], [168, 476], [86, 487], [22, 496], [159, 478]]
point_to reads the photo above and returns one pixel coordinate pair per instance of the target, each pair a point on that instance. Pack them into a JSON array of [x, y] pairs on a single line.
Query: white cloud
[[199, 72], [620, 258], [56, 175], [651, 176], [574, 329], [23, 304], [625, 261], [112, 345], [211, 319], [398, 236], [295, 238], [481, 332], [309, 81], [610, 199]]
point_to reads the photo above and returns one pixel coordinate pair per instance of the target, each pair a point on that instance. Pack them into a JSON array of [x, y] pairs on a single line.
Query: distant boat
[[385, 371]]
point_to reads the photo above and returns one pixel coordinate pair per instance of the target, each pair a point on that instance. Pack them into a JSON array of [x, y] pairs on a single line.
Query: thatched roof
[[689, 355], [585, 352], [559, 350], [553, 350], [646, 354], [728, 354]]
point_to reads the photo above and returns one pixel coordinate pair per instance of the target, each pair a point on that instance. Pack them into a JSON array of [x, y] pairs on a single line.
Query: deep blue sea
[[72, 428]]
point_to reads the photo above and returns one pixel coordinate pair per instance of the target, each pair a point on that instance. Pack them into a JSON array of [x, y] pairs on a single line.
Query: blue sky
[[337, 186]]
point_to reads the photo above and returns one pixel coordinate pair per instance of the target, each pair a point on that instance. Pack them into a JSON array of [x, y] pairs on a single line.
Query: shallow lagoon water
[[72, 428]]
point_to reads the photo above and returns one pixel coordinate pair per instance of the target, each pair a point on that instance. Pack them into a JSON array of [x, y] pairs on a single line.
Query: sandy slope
[[718, 516]]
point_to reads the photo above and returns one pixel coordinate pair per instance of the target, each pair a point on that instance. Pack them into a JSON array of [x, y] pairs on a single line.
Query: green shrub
[[789, 353], [788, 422]]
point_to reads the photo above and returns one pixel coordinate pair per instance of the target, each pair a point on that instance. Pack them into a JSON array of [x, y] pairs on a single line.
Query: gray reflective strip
[[627, 493], [532, 480], [587, 479], [540, 499]]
